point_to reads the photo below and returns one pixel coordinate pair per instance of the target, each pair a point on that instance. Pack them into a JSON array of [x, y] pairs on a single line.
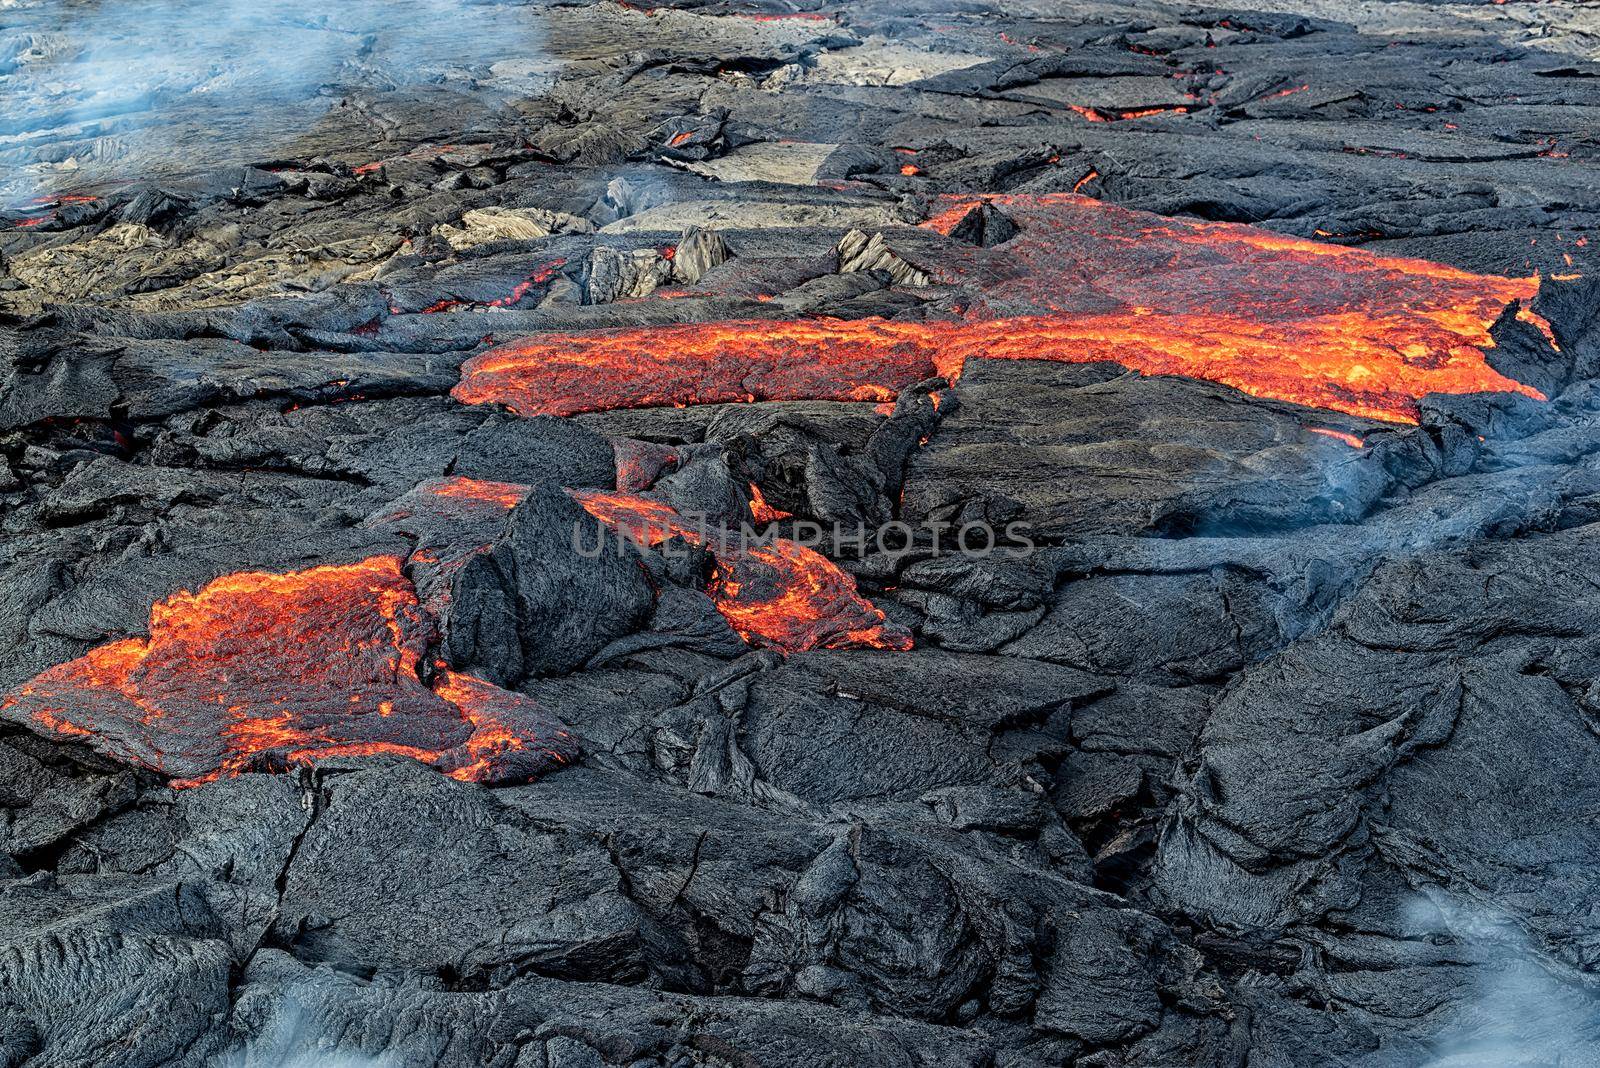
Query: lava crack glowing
[[1314, 324], [258, 670]]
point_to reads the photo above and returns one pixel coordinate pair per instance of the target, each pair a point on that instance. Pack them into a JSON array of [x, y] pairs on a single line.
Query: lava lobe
[[777, 594], [256, 670], [1273, 316]]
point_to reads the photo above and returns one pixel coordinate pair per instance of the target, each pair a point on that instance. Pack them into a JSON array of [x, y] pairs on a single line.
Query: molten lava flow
[[1338, 435], [41, 210], [1104, 115], [501, 496], [761, 511], [1333, 362], [1273, 316], [696, 363], [258, 670], [500, 747], [790, 598], [777, 594]]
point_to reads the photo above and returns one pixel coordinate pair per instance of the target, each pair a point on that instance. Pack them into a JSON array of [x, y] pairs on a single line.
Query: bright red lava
[[1320, 325], [257, 670]]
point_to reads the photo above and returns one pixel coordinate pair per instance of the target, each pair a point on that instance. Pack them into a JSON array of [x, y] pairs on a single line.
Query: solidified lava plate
[[257, 669], [1273, 316]]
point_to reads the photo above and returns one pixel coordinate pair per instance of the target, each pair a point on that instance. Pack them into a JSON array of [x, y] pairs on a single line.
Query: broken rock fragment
[[536, 602]]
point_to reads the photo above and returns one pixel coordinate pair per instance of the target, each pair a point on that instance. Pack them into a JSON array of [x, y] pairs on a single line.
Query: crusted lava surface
[[941, 535]]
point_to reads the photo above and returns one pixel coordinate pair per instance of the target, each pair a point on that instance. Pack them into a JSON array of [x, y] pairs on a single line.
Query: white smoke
[[1518, 1012], [294, 1039], [126, 89]]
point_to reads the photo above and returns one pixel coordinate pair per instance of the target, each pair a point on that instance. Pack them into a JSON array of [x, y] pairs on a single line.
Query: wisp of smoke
[[139, 88], [292, 1040], [1517, 1013]]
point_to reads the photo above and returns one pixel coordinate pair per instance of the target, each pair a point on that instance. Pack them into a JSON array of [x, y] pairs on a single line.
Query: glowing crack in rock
[[257, 670], [1295, 320]]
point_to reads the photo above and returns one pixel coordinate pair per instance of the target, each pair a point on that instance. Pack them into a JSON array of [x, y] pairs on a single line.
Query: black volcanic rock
[[546, 595]]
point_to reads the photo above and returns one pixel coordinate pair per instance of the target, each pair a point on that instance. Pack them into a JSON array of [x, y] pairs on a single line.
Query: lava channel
[[257, 671], [1319, 325]]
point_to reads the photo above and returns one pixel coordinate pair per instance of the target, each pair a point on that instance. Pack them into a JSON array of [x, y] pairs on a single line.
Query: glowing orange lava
[[1113, 115], [51, 207], [696, 363], [1338, 435], [500, 495], [1320, 325], [259, 670], [761, 511], [778, 594]]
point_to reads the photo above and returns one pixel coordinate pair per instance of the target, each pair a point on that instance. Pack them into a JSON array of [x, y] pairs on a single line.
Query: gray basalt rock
[[537, 602]]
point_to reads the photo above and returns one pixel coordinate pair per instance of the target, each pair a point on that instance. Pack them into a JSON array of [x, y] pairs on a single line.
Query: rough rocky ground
[[1280, 747]]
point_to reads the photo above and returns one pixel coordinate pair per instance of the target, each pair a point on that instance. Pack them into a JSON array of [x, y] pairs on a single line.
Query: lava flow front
[[258, 670], [1273, 316]]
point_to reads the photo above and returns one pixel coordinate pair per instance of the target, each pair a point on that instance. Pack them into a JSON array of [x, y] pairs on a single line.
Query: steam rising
[[293, 1040], [141, 89], [1517, 1012]]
